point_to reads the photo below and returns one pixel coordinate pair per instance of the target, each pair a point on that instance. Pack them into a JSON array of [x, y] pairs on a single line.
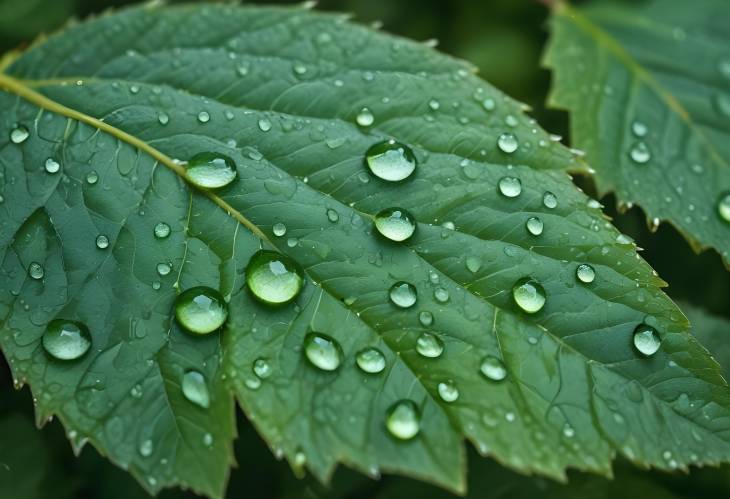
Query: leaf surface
[[122, 100]]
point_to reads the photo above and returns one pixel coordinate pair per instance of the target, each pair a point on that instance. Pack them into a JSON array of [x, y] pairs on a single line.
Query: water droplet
[[395, 224], [162, 230], [722, 102], [723, 206], [322, 351], [493, 368], [646, 340], [568, 431], [489, 104], [145, 448], [102, 242], [262, 368], [448, 391], [92, 177], [639, 129], [203, 117], [403, 294], [163, 118], [640, 153], [365, 117], [279, 229], [391, 161], [473, 264], [207, 439], [425, 318], [200, 310], [534, 226], [434, 104], [273, 278], [510, 186], [163, 269], [52, 166], [210, 170], [507, 142], [332, 215], [585, 273], [549, 200], [264, 125], [36, 271], [441, 295], [403, 420], [429, 345], [511, 120], [19, 134], [195, 389], [529, 295], [66, 340], [370, 360]]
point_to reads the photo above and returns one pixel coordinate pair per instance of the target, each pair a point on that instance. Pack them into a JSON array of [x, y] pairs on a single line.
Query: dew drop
[[273, 278], [203, 117], [332, 215], [163, 118], [507, 142], [534, 226], [322, 351], [434, 104], [201, 310], [52, 166], [262, 368], [493, 368], [92, 177], [395, 224], [36, 270], [279, 229], [529, 295], [370, 360], [403, 294], [429, 345], [264, 125], [403, 420], [145, 448], [163, 269], [391, 161], [195, 389], [19, 134], [646, 340], [585, 273], [639, 129], [448, 391], [161, 230], [549, 200], [210, 170], [365, 117], [102, 242], [640, 153], [425, 318], [510, 186], [723, 206], [66, 340], [441, 295], [473, 264]]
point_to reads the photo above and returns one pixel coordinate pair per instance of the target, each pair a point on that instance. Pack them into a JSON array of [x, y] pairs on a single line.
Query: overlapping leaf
[[116, 100], [648, 89]]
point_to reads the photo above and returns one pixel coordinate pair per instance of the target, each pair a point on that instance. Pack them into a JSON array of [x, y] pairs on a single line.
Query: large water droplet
[[195, 389], [395, 224], [403, 420], [279, 229], [391, 160], [529, 295], [162, 230], [585, 273], [507, 142], [510, 186], [646, 339], [403, 294], [19, 134], [370, 360], [429, 345], [640, 153], [66, 340], [52, 166], [493, 368], [36, 270], [264, 125], [273, 278], [448, 391], [201, 310], [534, 226], [322, 351], [723, 206], [365, 117], [210, 170]]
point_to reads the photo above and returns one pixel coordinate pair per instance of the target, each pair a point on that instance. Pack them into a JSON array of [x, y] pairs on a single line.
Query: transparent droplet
[[19, 134], [646, 340], [585, 273], [429, 345], [322, 351], [473, 264], [66, 340], [262, 368], [273, 278], [448, 391], [52, 166], [264, 125], [201, 310], [365, 117], [425, 318], [207, 439], [639, 129], [640, 153], [203, 117], [723, 206], [489, 104], [332, 215], [145, 448], [507, 142], [529, 295], [92, 177], [102, 242], [493, 368], [163, 269], [549, 200], [441, 295], [403, 420], [195, 389], [534, 226], [434, 104], [370, 360], [279, 229], [403, 294], [510, 186], [210, 170], [36, 270], [162, 230], [396, 224], [391, 160]]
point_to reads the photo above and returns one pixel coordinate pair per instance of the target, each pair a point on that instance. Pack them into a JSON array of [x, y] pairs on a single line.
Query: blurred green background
[[504, 38]]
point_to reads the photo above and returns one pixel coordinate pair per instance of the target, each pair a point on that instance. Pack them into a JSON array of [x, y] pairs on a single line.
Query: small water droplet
[[585, 273], [489, 104], [639, 129], [507, 142], [646, 340], [568, 431], [262, 368], [493, 368], [510, 186], [203, 117], [434, 104], [279, 229], [640, 153], [403, 294], [370, 360], [52, 166], [210, 170], [425, 318], [145, 448], [391, 161], [549, 200], [395, 224], [66, 340], [201, 310], [723, 206], [441, 295], [19, 134], [195, 389], [102, 242], [511, 120], [332, 215], [403, 420], [162, 230], [163, 118], [322, 351], [92, 177], [448, 391], [529, 295], [208, 439], [429, 345], [264, 124], [534, 226], [365, 117], [36, 270], [473, 264], [163, 269], [273, 278]]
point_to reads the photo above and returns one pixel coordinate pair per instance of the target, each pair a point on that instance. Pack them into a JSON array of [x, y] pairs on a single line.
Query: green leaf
[[712, 331], [648, 90], [119, 102]]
